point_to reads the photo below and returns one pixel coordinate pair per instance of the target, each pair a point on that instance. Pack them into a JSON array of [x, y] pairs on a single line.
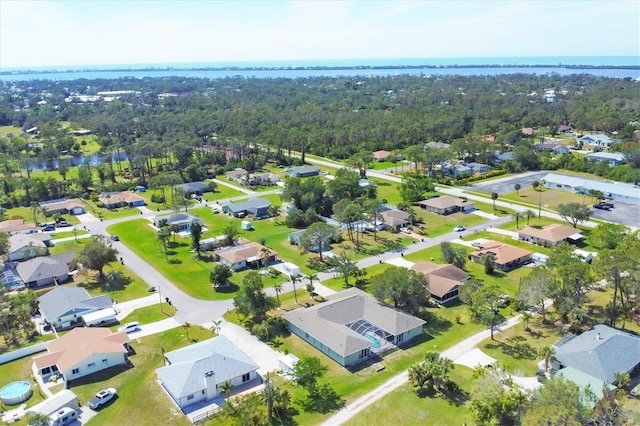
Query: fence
[[22, 352]]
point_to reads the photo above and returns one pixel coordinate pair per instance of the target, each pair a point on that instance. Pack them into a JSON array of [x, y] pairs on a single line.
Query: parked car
[[130, 327], [115, 238], [459, 228], [601, 206], [607, 203], [405, 230], [64, 224], [504, 300], [102, 398], [49, 228]]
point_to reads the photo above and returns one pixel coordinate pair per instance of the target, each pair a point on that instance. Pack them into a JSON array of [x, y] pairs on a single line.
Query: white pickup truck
[[102, 398]]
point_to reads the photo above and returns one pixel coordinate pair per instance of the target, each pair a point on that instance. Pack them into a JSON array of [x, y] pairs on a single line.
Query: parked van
[[63, 417]]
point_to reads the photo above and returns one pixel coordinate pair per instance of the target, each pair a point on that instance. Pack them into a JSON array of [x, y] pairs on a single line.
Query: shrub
[[157, 198]]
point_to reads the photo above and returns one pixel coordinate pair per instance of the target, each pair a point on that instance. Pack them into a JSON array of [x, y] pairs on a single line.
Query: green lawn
[[548, 198], [432, 224], [148, 314]]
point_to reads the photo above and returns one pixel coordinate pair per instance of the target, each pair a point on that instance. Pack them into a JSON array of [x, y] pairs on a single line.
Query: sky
[[37, 33]]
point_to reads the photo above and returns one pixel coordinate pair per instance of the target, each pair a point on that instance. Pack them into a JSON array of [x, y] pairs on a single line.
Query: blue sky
[[55, 33]]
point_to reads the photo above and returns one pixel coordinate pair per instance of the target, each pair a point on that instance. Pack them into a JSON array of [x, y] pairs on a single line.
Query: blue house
[[294, 238], [304, 171], [256, 207], [613, 158]]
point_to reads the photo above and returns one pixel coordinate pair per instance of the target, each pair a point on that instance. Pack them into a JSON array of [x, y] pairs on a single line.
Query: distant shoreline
[[317, 68]]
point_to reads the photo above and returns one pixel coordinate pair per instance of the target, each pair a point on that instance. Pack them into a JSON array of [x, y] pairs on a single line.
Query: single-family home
[[550, 235], [81, 352], [63, 306], [250, 255], [612, 158], [395, 218], [72, 206], [182, 220], [27, 246], [597, 388], [303, 171], [600, 352], [598, 139], [201, 372], [446, 205], [239, 176], [437, 145], [352, 325], [197, 188], [504, 156], [527, 131], [294, 238], [506, 257], [114, 200], [263, 178], [563, 128], [17, 226], [81, 132], [45, 270], [256, 207], [381, 155], [456, 169], [443, 281], [617, 191], [554, 148]]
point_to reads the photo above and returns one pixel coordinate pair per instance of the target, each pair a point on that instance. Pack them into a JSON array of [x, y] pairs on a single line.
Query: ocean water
[[352, 67]]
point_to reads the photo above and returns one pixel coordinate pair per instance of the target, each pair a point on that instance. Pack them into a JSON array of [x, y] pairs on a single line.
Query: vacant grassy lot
[[549, 198], [148, 314]]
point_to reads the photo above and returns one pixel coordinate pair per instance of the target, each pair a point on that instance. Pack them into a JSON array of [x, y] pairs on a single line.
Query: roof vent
[[598, 337]]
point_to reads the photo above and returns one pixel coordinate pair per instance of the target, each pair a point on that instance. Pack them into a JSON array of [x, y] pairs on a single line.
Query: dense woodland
[[206, 125]]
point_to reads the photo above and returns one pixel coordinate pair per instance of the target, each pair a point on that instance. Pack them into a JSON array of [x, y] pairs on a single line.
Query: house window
[[92, 364], [364, 353], [75, 371], [104, 361], [400, 337], [246, 377], [190, 396]]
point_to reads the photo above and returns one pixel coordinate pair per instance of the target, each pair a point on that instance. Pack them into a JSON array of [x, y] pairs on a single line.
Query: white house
[[613, 158], [81, 352], [200, 371], [245, 256], [599, 139]]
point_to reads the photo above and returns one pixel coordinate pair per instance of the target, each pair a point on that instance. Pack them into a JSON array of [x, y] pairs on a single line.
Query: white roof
[[607, 155], [618, 188]]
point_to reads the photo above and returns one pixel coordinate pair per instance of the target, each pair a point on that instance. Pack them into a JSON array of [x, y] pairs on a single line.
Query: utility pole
[[160, 296]]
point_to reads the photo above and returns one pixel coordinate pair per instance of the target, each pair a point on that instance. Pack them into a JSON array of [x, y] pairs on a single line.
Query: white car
[[459, 228], [102, 398], [130, 327]]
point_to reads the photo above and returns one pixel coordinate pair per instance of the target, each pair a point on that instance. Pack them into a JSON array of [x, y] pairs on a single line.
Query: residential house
[[456, 169], [478, 168], [239, 176], [45, 270], [200, 372], [381, 155], [563, 128], [294, 238], [527, 131], [599, 140], [17, 226], [446, 205], [600, 352], [395, 218], [612, 158], [197, 188], [303, 171], [114, 200], [437, 145], [256, 207], [27, 246], [352, 325], [63, 306], [617, 191], [443, 281], [504, 156], [597, 387], [263, 179], [182, 220], [550, 235], [554, 148], [244, 256], [81, 352], [506, 257], [81, 132], [72, 206]]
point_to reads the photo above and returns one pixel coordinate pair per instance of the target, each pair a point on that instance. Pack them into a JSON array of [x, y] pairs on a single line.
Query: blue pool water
[[375, 343], [15, 393]]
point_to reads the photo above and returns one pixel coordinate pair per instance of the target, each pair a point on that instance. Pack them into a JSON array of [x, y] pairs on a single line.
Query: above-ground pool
[[15, 393]]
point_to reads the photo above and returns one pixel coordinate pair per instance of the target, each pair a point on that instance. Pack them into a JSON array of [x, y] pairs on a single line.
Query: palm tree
[[35, 208], [163, 236], [547, 353], [412, 215], [622, 379], [517, 187], [175, 229], [265, 253], [215, 327], [494, 197], [529, 214], [526, 316], [310, 287], [518, 216], [294, 280], [186, 327], [278, 289], [535, 184], [225, 388]]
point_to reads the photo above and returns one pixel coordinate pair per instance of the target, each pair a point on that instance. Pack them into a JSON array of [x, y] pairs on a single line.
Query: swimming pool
[[15, 393], [375, 343]]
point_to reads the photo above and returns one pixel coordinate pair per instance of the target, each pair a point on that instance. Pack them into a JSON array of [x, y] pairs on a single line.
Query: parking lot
[[506, 185], [626, 214]]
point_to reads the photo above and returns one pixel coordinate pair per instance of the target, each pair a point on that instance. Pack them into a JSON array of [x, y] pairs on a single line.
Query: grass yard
[[20, 369], [432, 224], [549, 198], [148, 315], [141, 400], [436, 410]]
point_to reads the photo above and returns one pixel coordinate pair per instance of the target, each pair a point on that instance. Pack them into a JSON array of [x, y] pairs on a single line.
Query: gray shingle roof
[[600, 352], [194, 187], [41, 268], [185, 375], [326, 322], [64, 299], [252, 204]]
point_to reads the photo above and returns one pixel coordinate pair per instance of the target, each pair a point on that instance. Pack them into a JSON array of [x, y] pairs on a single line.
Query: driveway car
[[115, 238], [130, 327], [64, 224], [102, 398], [49, 228], [459, 228]]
